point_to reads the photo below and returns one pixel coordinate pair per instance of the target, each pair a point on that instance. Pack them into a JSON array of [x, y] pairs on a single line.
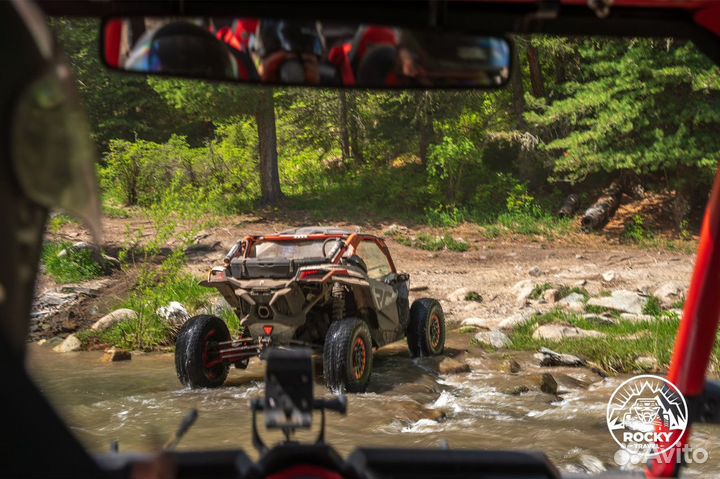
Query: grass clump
[[434, 243], [473, 296], [58, 221], [617, 351], [653, 306], [72, 266]]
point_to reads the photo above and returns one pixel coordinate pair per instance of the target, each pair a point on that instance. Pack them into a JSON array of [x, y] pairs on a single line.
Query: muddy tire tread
[[337, 367], [417, 334], [189, 348]]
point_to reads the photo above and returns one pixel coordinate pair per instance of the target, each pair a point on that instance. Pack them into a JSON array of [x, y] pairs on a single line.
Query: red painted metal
[[698, 328], [268, 329]]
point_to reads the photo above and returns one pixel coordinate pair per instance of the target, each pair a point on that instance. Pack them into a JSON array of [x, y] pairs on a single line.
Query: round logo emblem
[[647, 415]]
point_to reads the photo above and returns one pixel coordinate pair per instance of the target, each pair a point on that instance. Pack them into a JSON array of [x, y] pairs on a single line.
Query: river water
[[140, 402]]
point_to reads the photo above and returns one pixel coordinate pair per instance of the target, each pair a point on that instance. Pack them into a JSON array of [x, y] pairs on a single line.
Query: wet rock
[[572, 302], [670, 293], [54, 341], [647, 363], [398, 348], [452, 366], [112, 355], [621, 300], [609, 276], [515, 320], [549, 358], [496, 339], [69, 344], [461, 294], [547, 384], [41, 342], [558, 332], [517, 390], [535, 272], [597, 369], [523, 289], [599, 319], [174, 313], [477, 322], [115, 317], [635, 318], [511, 366]]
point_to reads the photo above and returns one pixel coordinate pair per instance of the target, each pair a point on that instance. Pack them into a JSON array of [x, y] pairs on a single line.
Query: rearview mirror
[[306, 53]]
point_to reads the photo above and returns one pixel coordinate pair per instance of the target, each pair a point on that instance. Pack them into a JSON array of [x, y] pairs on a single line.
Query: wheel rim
[[210, 355], [435, 331], [359, 358]]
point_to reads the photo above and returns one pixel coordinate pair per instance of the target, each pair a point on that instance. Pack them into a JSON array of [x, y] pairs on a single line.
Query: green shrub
[[434, 243], [653, 306], [71, 266]]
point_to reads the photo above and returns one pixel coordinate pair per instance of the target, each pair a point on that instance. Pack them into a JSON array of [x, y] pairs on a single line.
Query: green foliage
[[618, 351], [66, 264], [636, 231], [653, 306], [57, 221], [434, 243], [473, 296]]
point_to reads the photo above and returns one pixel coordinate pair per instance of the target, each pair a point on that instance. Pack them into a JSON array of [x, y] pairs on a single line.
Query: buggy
[[330, 289]]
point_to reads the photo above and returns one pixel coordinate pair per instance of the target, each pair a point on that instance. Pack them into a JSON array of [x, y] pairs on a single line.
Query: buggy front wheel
[[347, 356]]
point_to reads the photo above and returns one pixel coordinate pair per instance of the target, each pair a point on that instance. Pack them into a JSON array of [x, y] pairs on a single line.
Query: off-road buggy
[[326, 288]]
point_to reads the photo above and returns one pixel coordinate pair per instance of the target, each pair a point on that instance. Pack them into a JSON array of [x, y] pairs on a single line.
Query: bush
[[436, 243], [70, 267]]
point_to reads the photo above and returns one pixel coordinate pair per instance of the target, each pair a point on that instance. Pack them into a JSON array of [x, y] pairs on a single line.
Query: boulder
[[572, 302], [477, 322], [670, 293], [452, 366], [599, 319], [609, 276], [112, 355], [496, 339], [621, 300], [174, 313], [558, 332], [517, 390], [511, 366], [69, 344], [515, 320], [635, 318], [523, 289], [647, 363], [549, 358], [547, 384], [551, 295], [111, 319], [395, 229]]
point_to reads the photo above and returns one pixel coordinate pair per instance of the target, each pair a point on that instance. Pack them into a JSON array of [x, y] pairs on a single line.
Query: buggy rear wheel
[[347, 356], [426, 329], [197, 359]]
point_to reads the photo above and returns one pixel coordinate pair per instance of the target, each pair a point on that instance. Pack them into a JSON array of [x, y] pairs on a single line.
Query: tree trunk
[[569, 206], [536, 77], [427, 132], [354, 130], [344, 131], [597, 216], [516, 86], [267, 143]]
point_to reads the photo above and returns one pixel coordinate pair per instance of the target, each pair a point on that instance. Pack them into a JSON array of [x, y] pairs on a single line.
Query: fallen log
[[598, 215], [569, 206]]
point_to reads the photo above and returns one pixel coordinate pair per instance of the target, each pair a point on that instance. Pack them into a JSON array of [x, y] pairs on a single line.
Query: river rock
[[69, 344], [549, 358], [621, 300], [523, 289], [511, 366], [647, 363], [535, 272], [609, 276], [477, 322], [174, 313], [111, 319], [452, 366], [395, 229], [460, 294], [636, 318], [558, 332], [496, 339], [547, 384], [515, 320], [670, 293], [112, 355], [551, 295], [572, 302], [517, 390], [599, 319]]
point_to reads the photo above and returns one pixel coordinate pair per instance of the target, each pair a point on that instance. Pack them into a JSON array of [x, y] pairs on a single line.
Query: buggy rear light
[[217, 274], [309, 273], [267, 329]]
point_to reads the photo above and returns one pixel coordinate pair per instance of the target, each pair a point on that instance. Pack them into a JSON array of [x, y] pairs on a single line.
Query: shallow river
[[140, 403]]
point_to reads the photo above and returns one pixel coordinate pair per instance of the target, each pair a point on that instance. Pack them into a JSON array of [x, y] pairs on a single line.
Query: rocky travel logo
[[647, 415]]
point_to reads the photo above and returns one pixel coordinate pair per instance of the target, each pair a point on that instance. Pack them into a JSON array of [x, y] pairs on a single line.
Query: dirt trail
[[491, 267]]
